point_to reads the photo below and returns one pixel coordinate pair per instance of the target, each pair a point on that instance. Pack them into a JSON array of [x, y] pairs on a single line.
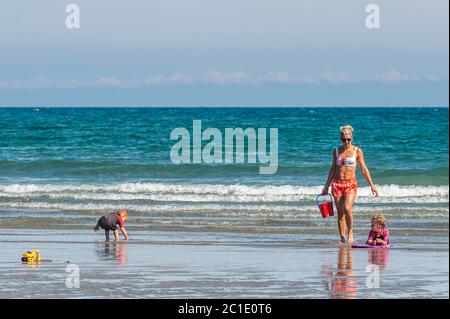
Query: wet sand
[[178, 265]]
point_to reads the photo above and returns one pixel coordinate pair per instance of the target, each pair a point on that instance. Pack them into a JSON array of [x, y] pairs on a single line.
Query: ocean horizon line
[[224, 107]]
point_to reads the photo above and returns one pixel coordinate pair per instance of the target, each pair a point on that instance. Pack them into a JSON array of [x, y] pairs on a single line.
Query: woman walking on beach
[[343, 176]]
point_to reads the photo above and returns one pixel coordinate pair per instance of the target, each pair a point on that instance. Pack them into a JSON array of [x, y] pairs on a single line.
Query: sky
[[224, 53]]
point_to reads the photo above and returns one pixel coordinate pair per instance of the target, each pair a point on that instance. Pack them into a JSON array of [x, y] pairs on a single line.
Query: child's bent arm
[[124, 232]]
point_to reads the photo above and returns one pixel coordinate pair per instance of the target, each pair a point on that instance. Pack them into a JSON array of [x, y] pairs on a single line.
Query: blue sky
[[224, 53]]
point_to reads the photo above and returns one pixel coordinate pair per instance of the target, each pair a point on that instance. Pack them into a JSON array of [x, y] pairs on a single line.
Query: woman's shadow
[[340, 282], [343, 282], [113, 251]]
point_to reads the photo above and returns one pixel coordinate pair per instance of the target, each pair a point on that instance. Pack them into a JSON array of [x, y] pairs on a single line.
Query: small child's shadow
[[113, 251], [379, 257]]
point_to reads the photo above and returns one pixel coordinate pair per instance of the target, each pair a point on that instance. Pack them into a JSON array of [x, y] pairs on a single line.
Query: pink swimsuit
[[383, 235]]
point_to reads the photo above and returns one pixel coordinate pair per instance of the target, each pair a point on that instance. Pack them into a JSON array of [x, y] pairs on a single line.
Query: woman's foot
[[350, 238]]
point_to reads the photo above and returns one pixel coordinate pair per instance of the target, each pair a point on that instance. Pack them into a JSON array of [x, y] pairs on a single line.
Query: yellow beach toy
[[32, 256]]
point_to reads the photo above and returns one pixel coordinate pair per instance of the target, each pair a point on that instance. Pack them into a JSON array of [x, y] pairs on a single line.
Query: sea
[[63, 168]]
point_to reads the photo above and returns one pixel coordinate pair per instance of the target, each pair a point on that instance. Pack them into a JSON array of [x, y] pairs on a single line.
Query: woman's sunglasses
[[346, 139]]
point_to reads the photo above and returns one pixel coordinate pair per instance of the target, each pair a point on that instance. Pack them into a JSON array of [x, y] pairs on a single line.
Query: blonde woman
[[343, 176]]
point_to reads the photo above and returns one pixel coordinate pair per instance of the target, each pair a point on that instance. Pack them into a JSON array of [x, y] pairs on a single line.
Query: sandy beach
[[161, 265], [219, 231]]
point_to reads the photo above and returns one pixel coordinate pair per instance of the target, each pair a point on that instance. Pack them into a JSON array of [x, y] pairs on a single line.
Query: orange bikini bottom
[[343, 187]]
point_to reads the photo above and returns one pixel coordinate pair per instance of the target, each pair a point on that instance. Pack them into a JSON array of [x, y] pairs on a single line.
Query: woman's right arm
[[330, 175]]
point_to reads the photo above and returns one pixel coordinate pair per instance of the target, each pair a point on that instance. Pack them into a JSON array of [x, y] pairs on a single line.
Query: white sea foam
[[226, 210], [216, 193], [234, 201]]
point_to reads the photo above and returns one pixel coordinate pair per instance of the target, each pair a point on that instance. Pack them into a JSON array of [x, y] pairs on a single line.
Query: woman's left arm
[[365, 171]]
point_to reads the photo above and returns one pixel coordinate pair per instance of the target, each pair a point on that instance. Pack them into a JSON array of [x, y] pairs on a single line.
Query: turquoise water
[[64, 167], [402, 146], [219, 230]]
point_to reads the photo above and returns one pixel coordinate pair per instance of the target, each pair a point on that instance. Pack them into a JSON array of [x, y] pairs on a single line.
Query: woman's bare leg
[[349, 199], [340, 205], [345, 258], [107, 235]]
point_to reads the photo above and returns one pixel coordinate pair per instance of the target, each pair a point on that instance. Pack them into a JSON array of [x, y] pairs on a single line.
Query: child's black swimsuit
[[109, 222]]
